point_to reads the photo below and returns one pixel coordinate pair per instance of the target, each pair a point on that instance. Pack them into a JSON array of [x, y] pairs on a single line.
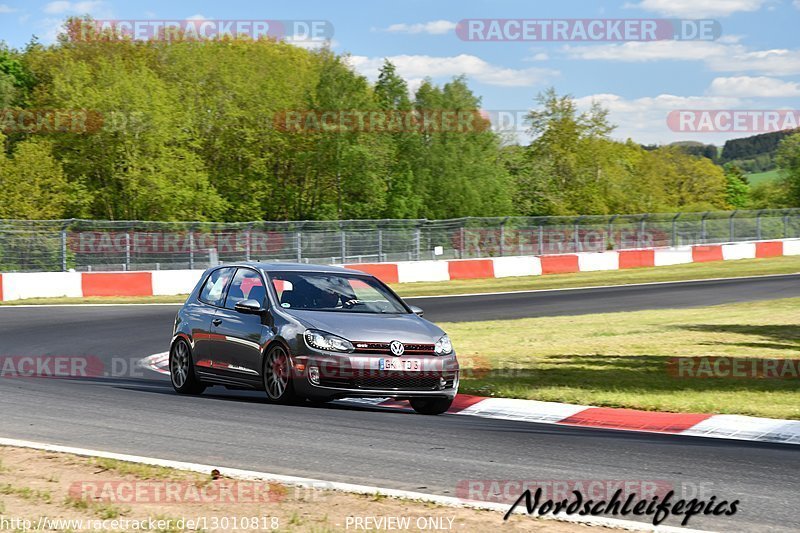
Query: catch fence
[[97, 245]]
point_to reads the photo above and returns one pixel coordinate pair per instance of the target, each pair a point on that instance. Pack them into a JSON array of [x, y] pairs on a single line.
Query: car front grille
[[400, 382], [383, 347], [410, 381]]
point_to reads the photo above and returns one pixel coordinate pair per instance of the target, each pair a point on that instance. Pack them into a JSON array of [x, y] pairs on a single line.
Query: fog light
[[313, 375], [442, 383]]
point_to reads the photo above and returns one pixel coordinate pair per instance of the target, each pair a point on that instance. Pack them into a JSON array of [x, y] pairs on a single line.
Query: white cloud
[[698, 8], [49, 27], [62, 7], [310, 44], [719, 56], [760, 87], [796, 4], [7, 9], [649, 51], [198, 16], [777, 62], [55, 8], [415, 67], [645, 119], [436, 27]]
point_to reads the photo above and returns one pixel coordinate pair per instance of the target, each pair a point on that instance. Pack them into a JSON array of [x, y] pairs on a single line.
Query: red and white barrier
[[15, 286]]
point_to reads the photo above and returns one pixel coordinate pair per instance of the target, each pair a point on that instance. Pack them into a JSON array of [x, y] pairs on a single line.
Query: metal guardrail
[[85, 245]]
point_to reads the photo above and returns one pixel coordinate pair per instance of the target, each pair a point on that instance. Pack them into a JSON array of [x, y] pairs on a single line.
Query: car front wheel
[[181, 369], [277, 376], [431, 406]]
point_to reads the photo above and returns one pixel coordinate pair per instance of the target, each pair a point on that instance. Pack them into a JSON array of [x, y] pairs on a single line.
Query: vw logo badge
[[397, 348]]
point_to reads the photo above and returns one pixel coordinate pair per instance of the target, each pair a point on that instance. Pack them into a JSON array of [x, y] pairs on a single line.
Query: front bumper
[[362, 376]]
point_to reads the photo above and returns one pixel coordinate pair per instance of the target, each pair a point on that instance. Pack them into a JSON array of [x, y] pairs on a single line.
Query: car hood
[[407, 328]]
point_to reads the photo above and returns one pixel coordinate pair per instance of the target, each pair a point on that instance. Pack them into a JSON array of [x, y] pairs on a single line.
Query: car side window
[[214, 289], [246, 285]]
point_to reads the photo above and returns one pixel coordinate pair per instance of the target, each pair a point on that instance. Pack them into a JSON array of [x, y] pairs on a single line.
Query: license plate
[[399, 364]]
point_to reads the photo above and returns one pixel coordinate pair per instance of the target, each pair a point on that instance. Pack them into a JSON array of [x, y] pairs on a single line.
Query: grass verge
[[691, 271], [621, 359]]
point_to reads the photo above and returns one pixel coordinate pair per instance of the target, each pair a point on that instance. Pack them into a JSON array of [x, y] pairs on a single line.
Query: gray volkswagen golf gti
[[306, 332]]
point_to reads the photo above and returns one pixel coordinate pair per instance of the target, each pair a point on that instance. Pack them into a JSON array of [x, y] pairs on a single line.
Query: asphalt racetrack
[[136, 412]]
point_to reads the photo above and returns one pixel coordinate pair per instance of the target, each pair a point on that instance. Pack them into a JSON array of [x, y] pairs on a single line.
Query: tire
[[431, 406], [277, 376], [181, 369]]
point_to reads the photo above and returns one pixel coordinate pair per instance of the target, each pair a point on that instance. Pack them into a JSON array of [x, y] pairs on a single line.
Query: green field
[[621, 359], [763, 177]]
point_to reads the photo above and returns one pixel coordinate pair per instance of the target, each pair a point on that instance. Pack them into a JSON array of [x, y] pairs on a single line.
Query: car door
[[203, 313], [238, 337]]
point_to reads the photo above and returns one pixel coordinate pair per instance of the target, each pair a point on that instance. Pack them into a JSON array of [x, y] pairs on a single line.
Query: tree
[[566, 175], [737, 186], [33, 184], [788, 160]]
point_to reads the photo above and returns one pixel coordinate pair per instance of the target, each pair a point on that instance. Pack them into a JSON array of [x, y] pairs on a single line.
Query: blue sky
[[754, 65]]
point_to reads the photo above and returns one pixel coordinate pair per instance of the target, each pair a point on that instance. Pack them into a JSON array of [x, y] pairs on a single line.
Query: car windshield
[[333, 291]]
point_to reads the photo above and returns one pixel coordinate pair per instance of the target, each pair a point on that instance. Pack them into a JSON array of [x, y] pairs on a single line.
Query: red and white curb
[[737, 427]]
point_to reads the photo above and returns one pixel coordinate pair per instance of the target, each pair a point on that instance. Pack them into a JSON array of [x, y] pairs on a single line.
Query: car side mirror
[[416, 310], [249, 307]]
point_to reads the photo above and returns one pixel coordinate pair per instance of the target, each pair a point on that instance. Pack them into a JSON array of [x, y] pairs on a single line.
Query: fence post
[[417, 236], [785, 226], [703, 235], [128, 251], [503, 237], [675, 230], [463, 243], [344, 246], [731, 224], [640, 237], [299, 241], [247, 244], [63, 250], [191, 248], [758, 225], [576, 239], [610, 236], [541, 239], [380, 245]]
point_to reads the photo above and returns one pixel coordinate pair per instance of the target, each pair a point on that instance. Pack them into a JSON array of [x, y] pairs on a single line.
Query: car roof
[[293, 267]]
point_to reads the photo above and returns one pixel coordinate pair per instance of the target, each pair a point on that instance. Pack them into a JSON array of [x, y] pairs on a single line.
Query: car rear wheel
[[181, 369], [277, 376], [431, 406]]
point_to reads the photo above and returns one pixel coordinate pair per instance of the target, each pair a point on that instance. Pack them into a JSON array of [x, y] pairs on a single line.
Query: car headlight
[[443, 346], [327, 341]]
